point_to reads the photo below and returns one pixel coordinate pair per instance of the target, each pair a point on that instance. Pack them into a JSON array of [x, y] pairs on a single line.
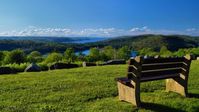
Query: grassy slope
[[89, 89]]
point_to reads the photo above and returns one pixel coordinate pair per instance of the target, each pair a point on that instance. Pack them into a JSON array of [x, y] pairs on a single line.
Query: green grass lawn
[[89, 89]]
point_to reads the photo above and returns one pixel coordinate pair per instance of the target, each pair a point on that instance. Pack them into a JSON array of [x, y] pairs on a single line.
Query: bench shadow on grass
[[158, 107]]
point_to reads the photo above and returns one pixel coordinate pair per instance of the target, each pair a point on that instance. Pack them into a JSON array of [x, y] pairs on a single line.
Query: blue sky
[[98, 17]]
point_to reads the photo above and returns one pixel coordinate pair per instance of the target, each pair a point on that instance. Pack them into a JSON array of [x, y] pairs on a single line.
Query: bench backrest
[[158, 68]]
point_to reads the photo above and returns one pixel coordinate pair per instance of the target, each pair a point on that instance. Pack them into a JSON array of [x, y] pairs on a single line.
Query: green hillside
[[173, 42], [30, 45], [90, 89]]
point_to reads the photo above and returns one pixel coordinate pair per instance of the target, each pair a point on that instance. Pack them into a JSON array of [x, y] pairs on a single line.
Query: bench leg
[[129, 93], [178, 85]]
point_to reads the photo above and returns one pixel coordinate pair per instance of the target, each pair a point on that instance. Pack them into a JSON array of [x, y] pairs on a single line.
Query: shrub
[[69, 55], [34, 56], [147, 51], [5, 70], [94, 55], [15, 56], [164, 52], [62, 66], [109, 52], [54, 57], [43, 66], [124, 53], [180, 53], [18, 67], [2, 55]]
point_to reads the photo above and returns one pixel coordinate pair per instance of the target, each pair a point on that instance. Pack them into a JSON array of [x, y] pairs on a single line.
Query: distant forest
[[154, 42]]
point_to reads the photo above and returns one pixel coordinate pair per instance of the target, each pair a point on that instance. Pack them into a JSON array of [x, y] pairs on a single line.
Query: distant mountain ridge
[[173, 42], [49, 44], [46, 38]]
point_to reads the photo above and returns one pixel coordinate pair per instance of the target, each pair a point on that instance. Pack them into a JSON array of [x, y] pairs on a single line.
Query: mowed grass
[[91, 89]]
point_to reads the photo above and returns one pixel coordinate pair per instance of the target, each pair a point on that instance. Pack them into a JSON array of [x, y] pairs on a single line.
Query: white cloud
[[142, 29], [191, 29], [103, 32]]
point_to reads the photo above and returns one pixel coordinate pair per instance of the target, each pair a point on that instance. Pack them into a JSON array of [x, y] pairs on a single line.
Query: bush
[[147, 51], [15, 56], [94, 55], [34, 56], [69, 55], [62, 66], [54, 57], [109, 53], [124, 53], [5, 70], [2, 55], [43, 66], [180, 53], [164, 52], [18, 67]]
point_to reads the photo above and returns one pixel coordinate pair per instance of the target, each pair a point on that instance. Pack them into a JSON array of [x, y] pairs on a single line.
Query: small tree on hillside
[[164, 52], [94, 55], [15, 56], [69, 55], [124, 53], [145, 51], [34, 56], [180, 53], [194, 51], [148, 52], [54, 57], [2, 55], [80, 56], [109, 52]]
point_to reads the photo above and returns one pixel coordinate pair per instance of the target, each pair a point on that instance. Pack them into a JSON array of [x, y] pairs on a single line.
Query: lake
[[86, 52], [87, 40]]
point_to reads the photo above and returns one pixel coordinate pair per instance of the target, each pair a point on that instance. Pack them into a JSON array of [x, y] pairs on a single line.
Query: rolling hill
[[173, 42], [90, 89], [49, 44]]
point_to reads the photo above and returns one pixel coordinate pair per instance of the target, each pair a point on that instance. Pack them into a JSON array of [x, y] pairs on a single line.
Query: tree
[[194, 51], [15, 56], [145, 51], [80, 56], [34, 56], [124, 53], [2, 55], [94, 55], [180, 53], [69, 55], [164, 52], [54, 57], [104, 57], [148, 52], [109, 52]]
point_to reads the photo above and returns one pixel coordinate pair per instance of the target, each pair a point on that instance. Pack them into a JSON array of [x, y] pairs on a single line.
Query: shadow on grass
[[193, 95], [158, 107]]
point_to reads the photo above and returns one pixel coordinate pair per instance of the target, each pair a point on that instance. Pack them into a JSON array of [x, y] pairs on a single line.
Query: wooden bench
[[175, 70]]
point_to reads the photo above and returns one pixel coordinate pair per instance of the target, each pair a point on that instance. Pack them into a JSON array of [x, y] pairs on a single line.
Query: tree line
[[106, 53], [69, 56]]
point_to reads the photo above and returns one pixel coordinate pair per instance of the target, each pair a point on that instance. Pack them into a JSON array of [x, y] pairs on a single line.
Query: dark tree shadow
[[193, 95], [158, 107]]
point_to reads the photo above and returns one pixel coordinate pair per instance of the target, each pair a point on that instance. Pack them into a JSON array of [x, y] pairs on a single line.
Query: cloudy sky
[[105, 18]]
